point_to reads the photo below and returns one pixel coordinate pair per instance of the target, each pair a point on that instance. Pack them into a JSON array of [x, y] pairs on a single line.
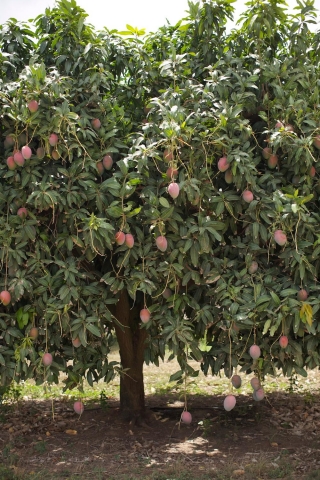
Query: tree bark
[[131, 339]]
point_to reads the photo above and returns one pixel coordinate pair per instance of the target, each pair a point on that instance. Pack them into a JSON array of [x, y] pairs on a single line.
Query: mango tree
[[160, 189]]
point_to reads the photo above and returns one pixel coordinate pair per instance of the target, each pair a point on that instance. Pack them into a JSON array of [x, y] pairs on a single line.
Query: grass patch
[[156, 383], [7, 473], [315, 475]]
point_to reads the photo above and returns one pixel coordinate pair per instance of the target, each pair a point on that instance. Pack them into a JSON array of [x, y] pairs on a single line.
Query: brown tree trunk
[[131, 341]]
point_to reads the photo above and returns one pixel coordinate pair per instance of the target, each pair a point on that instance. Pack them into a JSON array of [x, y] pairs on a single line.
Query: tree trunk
[[131, 341]]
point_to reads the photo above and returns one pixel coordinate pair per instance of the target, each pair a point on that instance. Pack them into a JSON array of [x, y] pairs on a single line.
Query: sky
[[148, 14]]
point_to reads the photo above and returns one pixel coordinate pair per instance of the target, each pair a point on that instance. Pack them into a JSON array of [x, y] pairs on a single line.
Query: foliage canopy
[[182, 97]]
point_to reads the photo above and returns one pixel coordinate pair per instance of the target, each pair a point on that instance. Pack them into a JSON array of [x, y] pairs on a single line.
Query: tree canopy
[[173, 173]]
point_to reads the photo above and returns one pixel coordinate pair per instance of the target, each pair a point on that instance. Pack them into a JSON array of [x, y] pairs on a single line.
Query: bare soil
[[275, 438]]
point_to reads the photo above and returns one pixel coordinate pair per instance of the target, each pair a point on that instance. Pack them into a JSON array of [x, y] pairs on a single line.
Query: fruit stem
[[230, 353], [7, 253], [6, 276], [296, 233], [124, 258], [46, 337], [185, 387], [245, 347]]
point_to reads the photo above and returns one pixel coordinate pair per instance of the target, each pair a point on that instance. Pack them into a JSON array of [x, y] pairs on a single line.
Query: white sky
[[148, 14]]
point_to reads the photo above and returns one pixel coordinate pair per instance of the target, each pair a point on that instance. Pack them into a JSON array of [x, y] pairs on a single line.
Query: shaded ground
[[276, 438]]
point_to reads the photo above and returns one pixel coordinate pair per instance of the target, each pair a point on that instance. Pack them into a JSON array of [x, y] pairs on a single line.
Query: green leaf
[[266, 326], [2, 360], [194, 253], [301, 371], [164, 202], [275, 298], [176, 376], [130, 28], [30, 232], [83, 337], [93, 329], [165, 214], [263, 299], [134, 212], [288, 292], [88, 47], [115, 212], [307, 199], [14, 332], [296, 322], [123, 167]]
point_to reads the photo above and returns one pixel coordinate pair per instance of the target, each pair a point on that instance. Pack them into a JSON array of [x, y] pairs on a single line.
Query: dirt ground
[[275, 438]]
